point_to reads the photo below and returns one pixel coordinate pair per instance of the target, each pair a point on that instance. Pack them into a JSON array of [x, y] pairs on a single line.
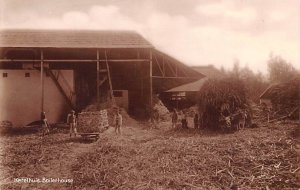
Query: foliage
[[215, 94], [286, 92], [255, 83], [280, 70]]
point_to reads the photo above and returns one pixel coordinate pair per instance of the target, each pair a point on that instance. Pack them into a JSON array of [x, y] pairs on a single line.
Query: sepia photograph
[[150, 94]]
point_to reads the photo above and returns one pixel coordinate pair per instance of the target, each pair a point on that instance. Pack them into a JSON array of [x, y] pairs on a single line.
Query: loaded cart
[[90, 124]]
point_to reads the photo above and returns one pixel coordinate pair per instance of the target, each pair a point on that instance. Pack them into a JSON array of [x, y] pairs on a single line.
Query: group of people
[[72, 122], [182, 117], [118, 121]]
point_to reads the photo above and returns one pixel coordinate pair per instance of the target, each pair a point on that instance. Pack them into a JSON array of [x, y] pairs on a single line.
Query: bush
[[220, 97]]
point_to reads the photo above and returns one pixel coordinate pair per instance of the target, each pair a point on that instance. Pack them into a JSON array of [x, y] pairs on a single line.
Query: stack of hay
[[110, 112], [6, 123], [5, 126], [92, 122], [163, 111]]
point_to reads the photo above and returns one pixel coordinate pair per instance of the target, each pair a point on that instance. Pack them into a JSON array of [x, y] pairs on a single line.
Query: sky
[[196, 32]]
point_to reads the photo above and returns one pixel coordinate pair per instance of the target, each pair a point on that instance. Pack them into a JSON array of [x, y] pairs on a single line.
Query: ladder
[[102, 71]]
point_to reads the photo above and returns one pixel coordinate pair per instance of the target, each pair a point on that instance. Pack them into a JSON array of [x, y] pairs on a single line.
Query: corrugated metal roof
[[190, 87], [72, 39]]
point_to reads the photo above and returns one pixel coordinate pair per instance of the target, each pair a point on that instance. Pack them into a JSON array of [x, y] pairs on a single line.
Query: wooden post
[[98, 80], [42, 81], [140, 67], [151, 87], [164, 70], [109, 80], [138, 54]]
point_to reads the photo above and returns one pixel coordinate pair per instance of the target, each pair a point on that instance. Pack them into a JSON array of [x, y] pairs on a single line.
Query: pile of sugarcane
[[285, 98], [220, 99], [91, 122]]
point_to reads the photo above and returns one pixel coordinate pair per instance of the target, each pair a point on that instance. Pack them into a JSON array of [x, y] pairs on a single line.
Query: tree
[[236, 69], [280, 70], [223, 71], [287, 92], [254, 83]]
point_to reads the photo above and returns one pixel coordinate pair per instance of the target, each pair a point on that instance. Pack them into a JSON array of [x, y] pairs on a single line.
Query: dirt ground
[[145, 158]]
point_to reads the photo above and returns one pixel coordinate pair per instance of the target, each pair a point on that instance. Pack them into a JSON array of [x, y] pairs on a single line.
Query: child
[[184, 123], [45, 125], [71, 120], [155, 119], [118, 120]]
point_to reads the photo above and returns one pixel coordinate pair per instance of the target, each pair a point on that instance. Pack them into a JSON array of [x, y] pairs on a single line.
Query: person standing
[[184, 122], [71, 120], [174, 118], [118, 120], [45, 125], [196, 121], [155, 119]]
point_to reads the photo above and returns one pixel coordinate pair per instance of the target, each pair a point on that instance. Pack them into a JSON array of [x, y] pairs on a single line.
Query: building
[[58, 70], [265, 97], [185, 95]]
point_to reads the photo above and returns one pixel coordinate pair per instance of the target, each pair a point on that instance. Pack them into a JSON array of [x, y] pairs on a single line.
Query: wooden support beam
[[183, 69], [171, 68], [61, 90], [102, 81], [98, 80], [151, 87], [160, 69], [164, 69], [109, 80], [42, 81], [169, 77]]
